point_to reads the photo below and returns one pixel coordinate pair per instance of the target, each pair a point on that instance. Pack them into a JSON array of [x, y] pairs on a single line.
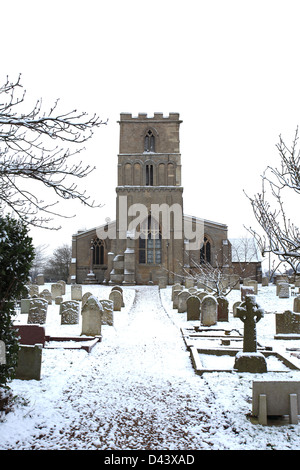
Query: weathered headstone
[[92, 312], [223, 309], [108, 312], [58, 300], [25, 305], [287, 323], [70, 311], [209, 311], [37, 311], [40, 279], [46, 294], [189, 282], [176, 287], [119, 289], [76, 292], [246, 291], [175, 297], [29, 362], [296, 307], [235, 306], [56, 290], [63, 286], [283, 290], [33, 289], [249, 360], [117, 299], [85, 296], [182, 298], [264, 281], [193, 304]]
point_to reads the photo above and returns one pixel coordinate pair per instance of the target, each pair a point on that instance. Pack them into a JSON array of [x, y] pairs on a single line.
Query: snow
[[137, 389]]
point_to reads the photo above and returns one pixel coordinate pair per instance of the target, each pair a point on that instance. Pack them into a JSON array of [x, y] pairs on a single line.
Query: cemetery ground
[[137, 388]]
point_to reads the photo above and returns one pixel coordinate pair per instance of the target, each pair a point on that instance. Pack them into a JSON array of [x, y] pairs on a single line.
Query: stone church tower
[[148, 239], [149, 176]]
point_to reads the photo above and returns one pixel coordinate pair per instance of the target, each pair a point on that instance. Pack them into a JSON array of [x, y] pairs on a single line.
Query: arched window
[[150, 242], [149, 175], [98, 251], [205, 251], [149, 143]]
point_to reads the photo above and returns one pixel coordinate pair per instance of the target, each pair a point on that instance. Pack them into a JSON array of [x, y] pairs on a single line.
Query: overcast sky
[[229, 67]]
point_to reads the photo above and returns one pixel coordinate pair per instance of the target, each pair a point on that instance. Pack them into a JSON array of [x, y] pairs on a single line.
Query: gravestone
[[249, 360], [58, 300], [119, 289], [193, 290], [92, 312], [246, 291], [223, 308], [264, 281], [37, 311], [76, 292], [29, 362], [235, 306], [85, 296], [162, 282], [2, 353], [287, 323], [25, 305], [283, 290], [209, 311], [202, 294], [176, 287], [193, 304], [117, 299], [56, 290], [40, 279], [108, 312], [253, 284], [296, 307], [189, 282], [46, 294], [175, 297], [70, 311], [182, 298], [33, 290], [63, 286]]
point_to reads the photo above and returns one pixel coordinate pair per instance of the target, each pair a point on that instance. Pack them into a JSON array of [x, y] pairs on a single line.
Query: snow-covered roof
[[245, 250]]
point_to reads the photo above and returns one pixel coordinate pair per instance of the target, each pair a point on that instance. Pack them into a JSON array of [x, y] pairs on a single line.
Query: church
[[151, 237]]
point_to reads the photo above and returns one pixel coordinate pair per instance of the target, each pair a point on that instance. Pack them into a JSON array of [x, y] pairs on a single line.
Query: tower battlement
[[144, 117]]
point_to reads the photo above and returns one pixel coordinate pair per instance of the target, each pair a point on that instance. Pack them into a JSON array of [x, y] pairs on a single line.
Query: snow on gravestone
[[91, 312], [37, 311], [209, 311], [117, 299], [69, 311]]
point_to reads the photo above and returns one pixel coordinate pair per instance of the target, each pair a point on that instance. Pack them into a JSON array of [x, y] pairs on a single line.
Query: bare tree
[[33, 148], [58, 264], [280, 235]]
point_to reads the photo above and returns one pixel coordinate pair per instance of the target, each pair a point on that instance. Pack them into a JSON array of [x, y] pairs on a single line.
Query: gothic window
[[205, 251], [149, 175], [149, 143], [98, 251], [150, 242]]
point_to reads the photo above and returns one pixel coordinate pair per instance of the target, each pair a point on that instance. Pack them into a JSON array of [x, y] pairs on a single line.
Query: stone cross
[[249, 360], [250, 313]]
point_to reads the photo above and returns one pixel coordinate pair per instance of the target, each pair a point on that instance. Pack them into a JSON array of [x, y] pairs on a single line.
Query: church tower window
[[149, 175], [150, 242], [205, 252], [149, 143]]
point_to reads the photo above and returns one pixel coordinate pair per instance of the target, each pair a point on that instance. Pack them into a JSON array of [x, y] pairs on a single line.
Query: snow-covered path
[[137, 390], [134, 391]]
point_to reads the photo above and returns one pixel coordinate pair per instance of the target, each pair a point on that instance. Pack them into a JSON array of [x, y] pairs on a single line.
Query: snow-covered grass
[[137, 389]]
